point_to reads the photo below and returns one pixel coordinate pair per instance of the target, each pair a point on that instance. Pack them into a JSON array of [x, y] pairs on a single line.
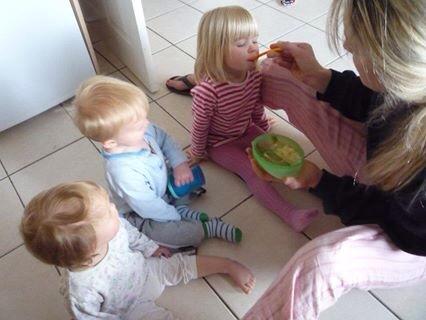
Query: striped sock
[[216, 228], [187, 213]]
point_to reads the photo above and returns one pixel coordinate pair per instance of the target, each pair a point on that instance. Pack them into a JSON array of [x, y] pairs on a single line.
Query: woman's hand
[[300, 59], [183, 174], [309, 176]]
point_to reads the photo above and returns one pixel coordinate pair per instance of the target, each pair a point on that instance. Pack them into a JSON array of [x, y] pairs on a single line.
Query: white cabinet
[[43, 57]]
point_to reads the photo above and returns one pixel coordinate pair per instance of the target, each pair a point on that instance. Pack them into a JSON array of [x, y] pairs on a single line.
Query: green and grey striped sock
[[216, 228], [187, 213]]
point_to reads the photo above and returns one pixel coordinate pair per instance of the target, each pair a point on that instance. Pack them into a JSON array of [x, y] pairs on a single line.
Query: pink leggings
[[233, 157], [329, 266]]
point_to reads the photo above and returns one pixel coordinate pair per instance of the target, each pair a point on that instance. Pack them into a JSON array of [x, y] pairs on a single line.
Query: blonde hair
[[217, 30], [394, 33], [105, 104], [57, 225]]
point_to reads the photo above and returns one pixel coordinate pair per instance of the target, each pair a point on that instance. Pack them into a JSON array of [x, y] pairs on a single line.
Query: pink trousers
[[329, 266]]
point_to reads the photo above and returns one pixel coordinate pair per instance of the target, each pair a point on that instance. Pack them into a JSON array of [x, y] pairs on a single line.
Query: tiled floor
[[48, 149]]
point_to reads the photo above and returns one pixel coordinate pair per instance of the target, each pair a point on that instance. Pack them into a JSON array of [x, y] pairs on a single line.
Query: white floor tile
[[343, 63], [316, 38], [126, 75], [358, 305], [29, 289], [79, 161], [35, 138], [177, 25], [103, 48], [320, 22], [316, 158], [179, 107], [159, 117], [273, 24], [199, 302], [105, 67], [157, 43], [266, 246], [168, 63], [10, 217], [152, 9], [407, 302], [206, 5], [189, 46], [305, 10], [281, 113], [133, 79], [2, 172], [219, 199]]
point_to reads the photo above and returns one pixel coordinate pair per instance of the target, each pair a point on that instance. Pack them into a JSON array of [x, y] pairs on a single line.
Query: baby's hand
[[192, 160], [183, 174], [162, 252]]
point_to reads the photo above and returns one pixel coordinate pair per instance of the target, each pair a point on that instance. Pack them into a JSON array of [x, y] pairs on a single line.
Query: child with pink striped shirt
[[227, 108]]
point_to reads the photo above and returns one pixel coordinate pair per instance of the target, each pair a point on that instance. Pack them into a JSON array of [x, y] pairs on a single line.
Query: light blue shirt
[[138, 180]]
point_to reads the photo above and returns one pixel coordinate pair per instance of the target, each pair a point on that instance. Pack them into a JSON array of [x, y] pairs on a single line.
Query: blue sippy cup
[[183, 190]]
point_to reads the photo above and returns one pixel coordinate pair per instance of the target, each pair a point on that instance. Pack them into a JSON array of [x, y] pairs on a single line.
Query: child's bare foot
[[241, 275]]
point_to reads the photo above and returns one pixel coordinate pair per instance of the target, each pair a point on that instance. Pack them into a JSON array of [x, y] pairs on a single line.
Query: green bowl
[[264, 149]]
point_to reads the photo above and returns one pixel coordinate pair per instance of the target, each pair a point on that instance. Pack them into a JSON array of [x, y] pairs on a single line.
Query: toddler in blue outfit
[[138, 157]]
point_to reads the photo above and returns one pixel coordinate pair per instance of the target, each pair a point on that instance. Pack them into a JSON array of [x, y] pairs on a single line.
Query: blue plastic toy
[[186, 189]]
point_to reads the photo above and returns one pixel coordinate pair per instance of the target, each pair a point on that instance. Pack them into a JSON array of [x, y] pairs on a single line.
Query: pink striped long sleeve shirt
[[222, 112]]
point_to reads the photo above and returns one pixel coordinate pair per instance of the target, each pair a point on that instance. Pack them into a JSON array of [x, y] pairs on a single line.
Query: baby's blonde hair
[[393, 34], [105, 104], [57, 225], [218, 28]]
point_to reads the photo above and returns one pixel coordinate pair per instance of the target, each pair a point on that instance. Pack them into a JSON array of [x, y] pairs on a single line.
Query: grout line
[[5, 171], [384, 305], [187, 130], [288, 32], [10, 251], [109, 61], [66, 111], [96, 148], [45, 156], [166, 12], [238, 204], [189, 5], [220, 298], [57, 270], [288, 15], [17, 193], [162, 37], [171, 43]]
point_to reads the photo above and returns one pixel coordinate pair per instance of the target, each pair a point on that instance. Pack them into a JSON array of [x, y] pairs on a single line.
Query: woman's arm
[[346, 93], [400, 214]]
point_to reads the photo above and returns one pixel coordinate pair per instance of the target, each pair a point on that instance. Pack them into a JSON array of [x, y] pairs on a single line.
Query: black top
[[401, 214]]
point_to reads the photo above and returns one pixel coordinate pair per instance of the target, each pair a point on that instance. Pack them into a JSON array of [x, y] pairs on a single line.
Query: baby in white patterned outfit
[[111, 270]]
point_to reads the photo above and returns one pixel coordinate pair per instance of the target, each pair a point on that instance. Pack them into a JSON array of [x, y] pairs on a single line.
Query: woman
[[373, 136]]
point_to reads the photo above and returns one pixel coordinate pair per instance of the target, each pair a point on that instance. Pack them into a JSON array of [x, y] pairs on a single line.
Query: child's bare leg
[[241, 275]]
